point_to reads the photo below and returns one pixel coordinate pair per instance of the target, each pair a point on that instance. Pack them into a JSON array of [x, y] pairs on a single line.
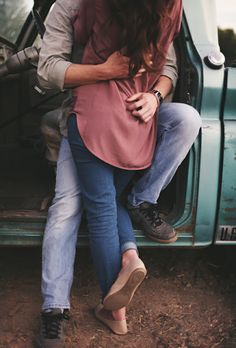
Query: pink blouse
[[107, 128]]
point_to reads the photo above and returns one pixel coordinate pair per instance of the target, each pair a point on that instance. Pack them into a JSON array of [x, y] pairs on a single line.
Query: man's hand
[[143, 106], [117, 67]]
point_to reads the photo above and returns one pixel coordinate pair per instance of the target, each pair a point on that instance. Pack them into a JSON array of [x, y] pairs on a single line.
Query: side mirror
[[21, 61], [7, 49]]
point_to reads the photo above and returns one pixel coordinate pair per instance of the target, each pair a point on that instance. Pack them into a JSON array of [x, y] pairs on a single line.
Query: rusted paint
[[22, 215], [229, 209], [230, 219], [187, 229], [190, 228]]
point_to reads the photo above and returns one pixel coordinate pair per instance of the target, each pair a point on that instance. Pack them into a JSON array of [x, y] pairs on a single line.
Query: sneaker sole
[[163, 241], [124, 296]]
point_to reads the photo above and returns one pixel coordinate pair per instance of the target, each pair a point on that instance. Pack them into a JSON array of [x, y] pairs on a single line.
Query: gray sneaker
[[52, 328], [147, 217]]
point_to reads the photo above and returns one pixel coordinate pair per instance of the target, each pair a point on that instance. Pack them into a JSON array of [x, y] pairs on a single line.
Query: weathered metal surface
[[226, 233], [227, 204], [13, 215], [32, 235]]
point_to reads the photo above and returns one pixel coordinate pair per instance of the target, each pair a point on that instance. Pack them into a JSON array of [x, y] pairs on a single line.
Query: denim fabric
[[59, 243], [178, 126], [109, 223]]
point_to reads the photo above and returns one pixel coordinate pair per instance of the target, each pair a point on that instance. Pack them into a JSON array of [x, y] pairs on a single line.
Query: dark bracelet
[[157, 94]]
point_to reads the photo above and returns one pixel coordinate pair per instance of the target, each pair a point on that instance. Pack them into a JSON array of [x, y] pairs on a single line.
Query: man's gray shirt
[[57, 47]]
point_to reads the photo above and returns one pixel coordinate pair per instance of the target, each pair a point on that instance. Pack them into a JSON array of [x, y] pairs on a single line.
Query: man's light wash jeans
[[178, 127]]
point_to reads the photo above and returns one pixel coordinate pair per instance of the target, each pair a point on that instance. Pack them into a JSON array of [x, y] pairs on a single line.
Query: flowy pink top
[[107, 128]]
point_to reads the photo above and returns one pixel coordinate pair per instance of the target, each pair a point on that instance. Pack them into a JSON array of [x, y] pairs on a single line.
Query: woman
[[112, 134]]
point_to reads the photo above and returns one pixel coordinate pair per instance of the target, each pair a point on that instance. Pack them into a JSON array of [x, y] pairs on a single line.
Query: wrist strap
[[157, 94]]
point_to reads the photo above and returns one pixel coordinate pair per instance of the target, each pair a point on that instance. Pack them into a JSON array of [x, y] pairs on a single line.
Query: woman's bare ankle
[[128, 256], [119, 314]]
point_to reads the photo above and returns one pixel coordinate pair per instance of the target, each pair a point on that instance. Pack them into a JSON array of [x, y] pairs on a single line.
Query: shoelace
[[52, 325], [152, 214], [66, 314]]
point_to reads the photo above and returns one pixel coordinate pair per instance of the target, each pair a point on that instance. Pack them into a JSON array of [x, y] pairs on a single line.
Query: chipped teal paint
[[229, 113], [203, 29], [227, 204]]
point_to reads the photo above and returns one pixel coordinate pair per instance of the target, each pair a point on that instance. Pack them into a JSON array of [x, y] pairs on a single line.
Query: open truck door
[[226, 222]]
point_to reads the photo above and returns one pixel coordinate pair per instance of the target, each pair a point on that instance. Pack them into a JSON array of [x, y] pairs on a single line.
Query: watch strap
[[157, 94]]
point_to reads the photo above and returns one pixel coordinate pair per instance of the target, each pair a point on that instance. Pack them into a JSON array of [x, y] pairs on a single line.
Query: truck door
[[226, 228]]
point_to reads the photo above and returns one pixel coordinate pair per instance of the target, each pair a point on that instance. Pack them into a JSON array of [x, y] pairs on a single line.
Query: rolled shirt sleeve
[[170, 68], [57, 44]]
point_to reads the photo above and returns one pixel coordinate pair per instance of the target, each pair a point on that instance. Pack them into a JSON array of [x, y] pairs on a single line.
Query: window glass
[[13, 14], [226, 19]]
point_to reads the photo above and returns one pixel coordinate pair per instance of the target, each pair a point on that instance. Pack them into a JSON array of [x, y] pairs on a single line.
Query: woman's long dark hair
[[141, 22]]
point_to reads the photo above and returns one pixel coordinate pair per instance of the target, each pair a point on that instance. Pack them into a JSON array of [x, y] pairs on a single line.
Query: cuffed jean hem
[[51, 306], [127, 246], [148, 198]]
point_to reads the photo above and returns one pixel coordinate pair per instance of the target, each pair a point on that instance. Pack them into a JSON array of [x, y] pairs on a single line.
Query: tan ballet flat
[[127, 282], [119, 327]]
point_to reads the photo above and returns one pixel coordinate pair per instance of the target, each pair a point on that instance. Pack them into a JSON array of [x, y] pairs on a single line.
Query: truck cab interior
[[27, 178]]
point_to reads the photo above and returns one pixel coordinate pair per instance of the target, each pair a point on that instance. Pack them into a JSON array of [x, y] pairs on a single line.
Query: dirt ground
[[188, 300]]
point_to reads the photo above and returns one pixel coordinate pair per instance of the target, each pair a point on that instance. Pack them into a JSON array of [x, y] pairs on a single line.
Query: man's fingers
[[138, 104], [119, 56], [140, 107], [144, 118], [147, 119], [141, 70], [147, 116], [141, 113], [134, 97]]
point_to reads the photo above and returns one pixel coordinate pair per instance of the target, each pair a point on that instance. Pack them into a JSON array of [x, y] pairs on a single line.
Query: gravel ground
[[188, 300]]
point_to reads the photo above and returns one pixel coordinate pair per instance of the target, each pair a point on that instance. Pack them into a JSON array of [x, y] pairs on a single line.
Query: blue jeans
[[178, 126], [109, 224]]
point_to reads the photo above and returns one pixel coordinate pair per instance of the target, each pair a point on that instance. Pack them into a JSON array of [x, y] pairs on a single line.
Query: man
[[178, 126]]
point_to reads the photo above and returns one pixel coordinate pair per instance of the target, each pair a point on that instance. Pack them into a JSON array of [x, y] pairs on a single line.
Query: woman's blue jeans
[[109, 225]]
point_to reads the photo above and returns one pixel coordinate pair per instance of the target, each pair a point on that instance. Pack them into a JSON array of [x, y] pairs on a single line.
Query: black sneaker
[[147, 217], [52, 328]]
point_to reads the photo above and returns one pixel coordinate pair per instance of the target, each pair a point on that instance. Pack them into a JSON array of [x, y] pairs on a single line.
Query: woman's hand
[[143, 106], [117, 67]]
